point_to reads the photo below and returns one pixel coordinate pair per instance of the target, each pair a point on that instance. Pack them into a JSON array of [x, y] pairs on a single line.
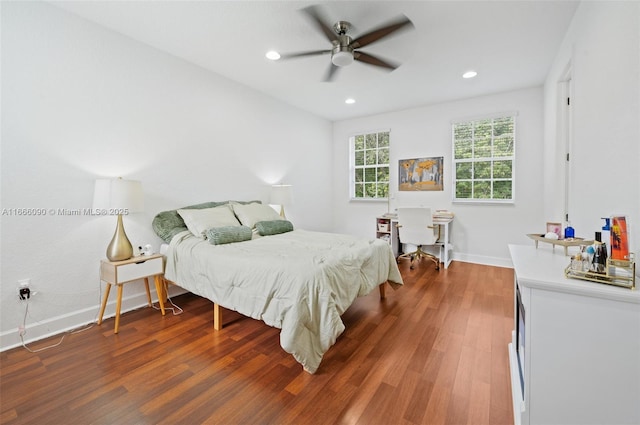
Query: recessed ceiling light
[[350, 101], [273, 55], [469, 74]]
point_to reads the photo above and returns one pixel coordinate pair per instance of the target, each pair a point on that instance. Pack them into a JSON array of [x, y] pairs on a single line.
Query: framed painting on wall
[[420, 174]]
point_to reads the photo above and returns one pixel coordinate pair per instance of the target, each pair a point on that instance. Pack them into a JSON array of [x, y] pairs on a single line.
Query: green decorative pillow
[[273, 227], [228, 234]]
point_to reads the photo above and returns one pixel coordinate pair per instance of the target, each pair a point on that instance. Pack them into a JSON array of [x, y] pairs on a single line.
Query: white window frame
[[353, 166], [491, 158]]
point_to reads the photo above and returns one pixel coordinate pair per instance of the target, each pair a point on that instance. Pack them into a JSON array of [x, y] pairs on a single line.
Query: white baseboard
[[481, 259], [76, 319]]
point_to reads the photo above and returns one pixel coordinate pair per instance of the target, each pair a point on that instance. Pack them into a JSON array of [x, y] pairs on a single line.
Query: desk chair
[[415, 227]]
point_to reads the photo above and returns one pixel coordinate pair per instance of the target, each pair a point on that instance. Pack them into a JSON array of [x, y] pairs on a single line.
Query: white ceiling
[[511, 45]]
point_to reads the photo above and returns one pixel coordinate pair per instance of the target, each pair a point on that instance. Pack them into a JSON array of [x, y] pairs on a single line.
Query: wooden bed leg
[[217, 317], [382, 288]]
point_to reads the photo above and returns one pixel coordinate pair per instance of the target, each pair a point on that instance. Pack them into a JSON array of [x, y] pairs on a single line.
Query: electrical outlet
[[24, 293]]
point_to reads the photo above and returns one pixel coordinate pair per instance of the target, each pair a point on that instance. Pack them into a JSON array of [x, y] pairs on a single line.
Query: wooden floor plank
[[434, 351]]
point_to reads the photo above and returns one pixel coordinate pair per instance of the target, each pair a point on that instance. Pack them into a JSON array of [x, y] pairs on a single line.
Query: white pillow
[[250, 214], [199, 220]]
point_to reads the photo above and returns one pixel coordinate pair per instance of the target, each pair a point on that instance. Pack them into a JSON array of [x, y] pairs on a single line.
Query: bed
[[244, 257]]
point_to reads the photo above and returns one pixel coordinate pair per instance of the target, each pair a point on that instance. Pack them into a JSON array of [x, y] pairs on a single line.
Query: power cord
[[23, 327], [23, 332], [175, 307]]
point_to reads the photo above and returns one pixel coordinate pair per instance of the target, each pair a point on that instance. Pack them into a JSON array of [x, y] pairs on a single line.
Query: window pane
[[482, 170], [482, 148], [483, 129], [359, 158], [383, 156], [359, 143], [358, 175], [463, 149], [369, 175], [359, 190], [370, 157], [463, 189], [502, 126], [502, 169], [383, 190], [502, 189], [370, 190], [503, 146], [383, 174], [482, 190], [462, 131], [383, 140], [463, 170], [371, 142]]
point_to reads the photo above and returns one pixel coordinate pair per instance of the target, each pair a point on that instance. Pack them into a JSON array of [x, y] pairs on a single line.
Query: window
[[483, 160], [370, 165]]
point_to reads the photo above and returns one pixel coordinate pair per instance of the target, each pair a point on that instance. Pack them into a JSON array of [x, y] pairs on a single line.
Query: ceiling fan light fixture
[[342, 58]]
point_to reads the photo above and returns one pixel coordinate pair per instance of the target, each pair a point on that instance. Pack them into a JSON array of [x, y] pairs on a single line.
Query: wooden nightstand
[[120, 272]]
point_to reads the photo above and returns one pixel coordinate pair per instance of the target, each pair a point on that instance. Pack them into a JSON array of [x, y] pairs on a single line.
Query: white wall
[[480, 233], [80, 102], [602, 48]]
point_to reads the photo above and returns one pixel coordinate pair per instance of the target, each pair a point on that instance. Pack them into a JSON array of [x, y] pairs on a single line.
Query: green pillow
[[228, 234], [273, 227]]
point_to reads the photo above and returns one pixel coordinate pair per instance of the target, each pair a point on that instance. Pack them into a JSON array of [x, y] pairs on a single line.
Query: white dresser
[[575, 350]]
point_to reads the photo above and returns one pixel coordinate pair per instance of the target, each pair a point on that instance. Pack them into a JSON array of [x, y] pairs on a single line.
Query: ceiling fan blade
[[381, 32], [304, 54], [331, 73], [373, 60], [320, 23]]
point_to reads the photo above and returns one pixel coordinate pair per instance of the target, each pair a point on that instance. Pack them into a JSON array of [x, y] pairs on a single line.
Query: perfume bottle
[[569, 233], [600, 255], [606, 232]]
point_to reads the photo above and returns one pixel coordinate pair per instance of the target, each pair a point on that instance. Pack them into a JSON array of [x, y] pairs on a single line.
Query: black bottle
[[600, 255]]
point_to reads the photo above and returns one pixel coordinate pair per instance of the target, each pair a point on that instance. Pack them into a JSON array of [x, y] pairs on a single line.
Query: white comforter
[[300, 281]]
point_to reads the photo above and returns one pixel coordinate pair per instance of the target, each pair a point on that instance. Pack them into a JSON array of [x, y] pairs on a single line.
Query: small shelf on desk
[[566, 243]]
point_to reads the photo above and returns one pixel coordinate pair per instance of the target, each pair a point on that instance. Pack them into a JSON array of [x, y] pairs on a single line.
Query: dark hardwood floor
[[432, 352]]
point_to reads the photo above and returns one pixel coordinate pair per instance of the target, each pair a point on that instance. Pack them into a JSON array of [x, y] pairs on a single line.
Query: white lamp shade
[[281, 194], [118, 194]]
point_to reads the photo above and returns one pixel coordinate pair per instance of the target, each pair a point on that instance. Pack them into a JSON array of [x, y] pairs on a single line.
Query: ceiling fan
[[345, 49]]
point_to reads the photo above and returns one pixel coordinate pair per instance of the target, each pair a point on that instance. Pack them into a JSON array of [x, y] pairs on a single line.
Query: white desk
[[446, 248]]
